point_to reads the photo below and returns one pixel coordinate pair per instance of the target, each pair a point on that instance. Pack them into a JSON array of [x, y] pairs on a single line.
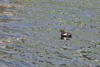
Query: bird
[[65, 35]]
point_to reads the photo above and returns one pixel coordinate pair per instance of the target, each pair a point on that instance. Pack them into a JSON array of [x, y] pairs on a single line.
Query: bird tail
[[70, 36]]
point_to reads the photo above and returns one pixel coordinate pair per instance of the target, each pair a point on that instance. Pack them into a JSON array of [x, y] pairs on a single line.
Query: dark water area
[[30, 37]]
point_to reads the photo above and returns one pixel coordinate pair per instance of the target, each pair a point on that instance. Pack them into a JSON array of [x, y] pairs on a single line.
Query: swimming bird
[[65, 35]]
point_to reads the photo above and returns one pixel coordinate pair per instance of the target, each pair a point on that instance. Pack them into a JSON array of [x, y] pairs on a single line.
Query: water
[[30, 37]]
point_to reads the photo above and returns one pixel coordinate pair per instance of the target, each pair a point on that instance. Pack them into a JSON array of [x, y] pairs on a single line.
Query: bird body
[[65, 35]]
